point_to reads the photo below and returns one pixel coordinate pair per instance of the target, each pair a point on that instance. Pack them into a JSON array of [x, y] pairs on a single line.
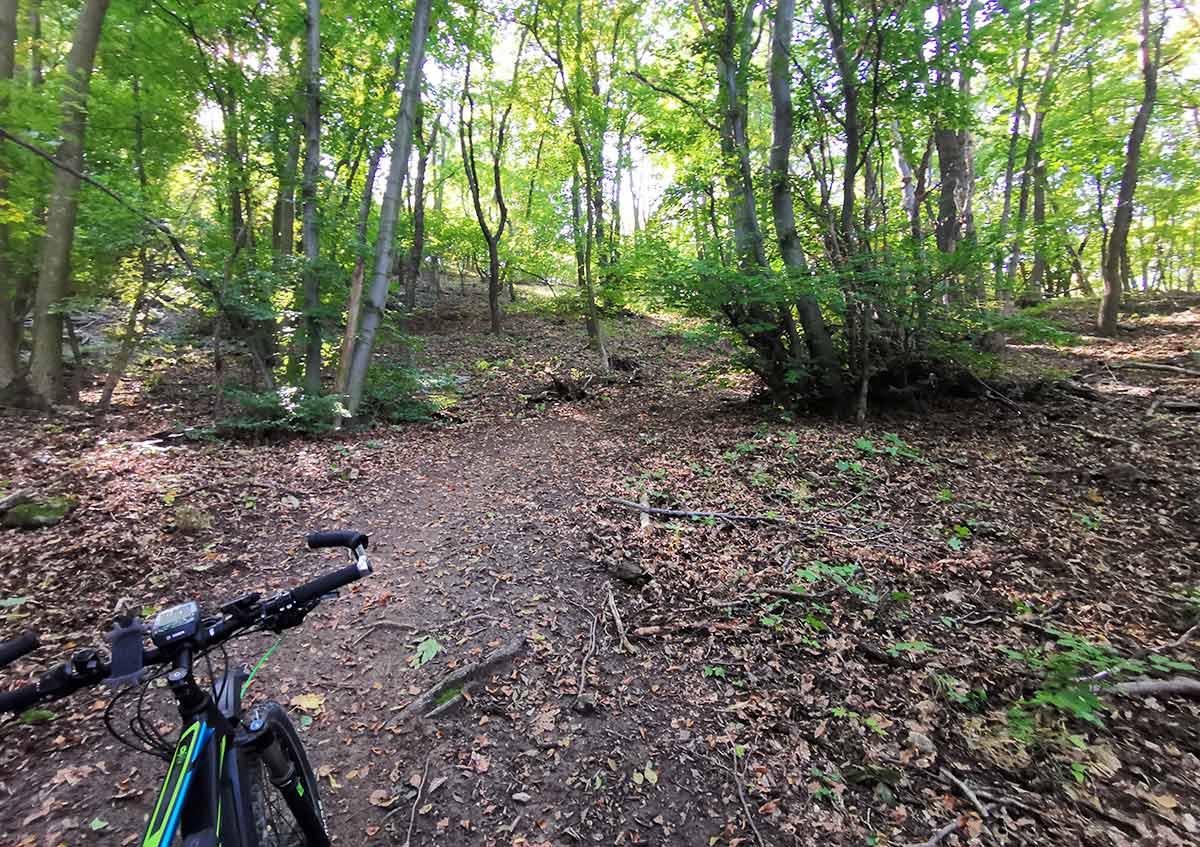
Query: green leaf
[[426, 650], [13, 602], [98, 824], [32, 716]]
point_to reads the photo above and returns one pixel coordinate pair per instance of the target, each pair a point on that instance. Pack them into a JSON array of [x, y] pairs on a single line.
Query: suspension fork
[[260, 739]]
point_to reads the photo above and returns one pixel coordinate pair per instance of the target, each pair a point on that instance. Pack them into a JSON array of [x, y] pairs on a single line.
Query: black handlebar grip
[[52, 684], [347, 538], [21, 699], [15, 648], [327, 584]]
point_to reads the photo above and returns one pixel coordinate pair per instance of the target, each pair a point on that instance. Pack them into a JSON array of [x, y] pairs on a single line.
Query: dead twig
[[418, 707], [1146, 651], [966, 790], [587, 657], [737, 781], [941, 835], [692, 626], [624, 640], [412, 817]]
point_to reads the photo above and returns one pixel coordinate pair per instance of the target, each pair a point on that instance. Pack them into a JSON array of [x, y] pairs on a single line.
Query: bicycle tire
[[274, 823]]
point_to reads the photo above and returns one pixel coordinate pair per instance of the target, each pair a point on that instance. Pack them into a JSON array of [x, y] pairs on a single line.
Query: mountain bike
[[233, 779]]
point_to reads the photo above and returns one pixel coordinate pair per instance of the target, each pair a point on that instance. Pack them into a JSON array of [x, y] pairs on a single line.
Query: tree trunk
[[54, 273], [816, 333], [1110, 302], [283, 217], [401, 145], [10, 329], [1033, 148], [1004, 293], [1038, 275], [312, 164], [354, 305], [417, 252]]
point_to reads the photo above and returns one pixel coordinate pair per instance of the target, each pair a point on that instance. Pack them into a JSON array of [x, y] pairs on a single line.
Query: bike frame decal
[[220, 772], [161, 828]]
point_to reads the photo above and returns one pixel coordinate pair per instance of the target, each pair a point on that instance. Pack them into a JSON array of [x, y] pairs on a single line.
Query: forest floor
[[891, 652]]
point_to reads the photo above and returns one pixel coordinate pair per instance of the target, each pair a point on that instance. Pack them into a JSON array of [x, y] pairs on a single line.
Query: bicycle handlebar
[[15, 648], [282, 611]]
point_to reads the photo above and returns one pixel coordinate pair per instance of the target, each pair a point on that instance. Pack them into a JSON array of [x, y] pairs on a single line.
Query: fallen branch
[[1103, 436], [587, 657], [1152, 366], [1146, 651], [418, 708], [697, 626], [1180, 406], [15, 499], [950, 778], [412, 817], [678, 513], [1178, 686], [737, 780], [624, 640], [377, 624]]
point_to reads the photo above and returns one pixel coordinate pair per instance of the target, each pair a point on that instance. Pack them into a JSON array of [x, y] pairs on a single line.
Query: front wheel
[[281, 788]]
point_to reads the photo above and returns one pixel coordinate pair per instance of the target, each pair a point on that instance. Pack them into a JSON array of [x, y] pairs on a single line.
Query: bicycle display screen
[[175, 623]]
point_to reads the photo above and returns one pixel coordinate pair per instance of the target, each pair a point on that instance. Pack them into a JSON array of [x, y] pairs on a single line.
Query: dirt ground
[[841, 669]]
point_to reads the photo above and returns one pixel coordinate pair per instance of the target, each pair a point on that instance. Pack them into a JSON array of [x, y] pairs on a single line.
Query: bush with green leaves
[[281, 413]]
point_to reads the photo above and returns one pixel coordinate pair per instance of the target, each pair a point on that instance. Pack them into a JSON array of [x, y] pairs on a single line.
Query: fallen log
[[17, 498], [419, 707]]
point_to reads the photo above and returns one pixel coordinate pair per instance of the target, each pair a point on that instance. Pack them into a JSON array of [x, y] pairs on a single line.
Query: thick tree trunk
[[312, 164], [10, 329], [401, 146], [1115, 252], [816, 333], [45, 372]]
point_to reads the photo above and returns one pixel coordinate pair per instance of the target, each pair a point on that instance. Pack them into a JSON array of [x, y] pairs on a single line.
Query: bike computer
[[175, 623]]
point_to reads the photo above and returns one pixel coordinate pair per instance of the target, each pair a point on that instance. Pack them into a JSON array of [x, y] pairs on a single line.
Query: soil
[[813, 673]]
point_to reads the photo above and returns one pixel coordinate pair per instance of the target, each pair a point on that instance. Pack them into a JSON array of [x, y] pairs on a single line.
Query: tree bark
[[1003, 293], [816, 333], [354, 304], [416, 253], [46, 366], [389, 212], [312, 164], [1115, 252], [10, 329], [1038, 275]]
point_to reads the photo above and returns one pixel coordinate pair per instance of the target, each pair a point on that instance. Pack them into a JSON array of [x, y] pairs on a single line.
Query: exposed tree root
[[421, 706]]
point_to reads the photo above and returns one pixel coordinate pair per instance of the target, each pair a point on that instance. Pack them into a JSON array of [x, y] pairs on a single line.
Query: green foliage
[[281, 413], [817, 571], [393, 394]]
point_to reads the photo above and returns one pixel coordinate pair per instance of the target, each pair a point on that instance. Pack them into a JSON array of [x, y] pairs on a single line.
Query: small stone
[[585, 704], [921, 742], [521, 797], [954, 596]]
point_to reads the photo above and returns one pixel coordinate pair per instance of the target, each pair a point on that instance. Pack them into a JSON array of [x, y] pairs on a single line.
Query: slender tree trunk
[[401, 146], [577, 237], [312, 165], [10, 329], [1033, 148], [412, 273], [283, 217], [1110, 303], [816, 333], [1003, 292], [1038, 275], [354, 305], [46, 367]]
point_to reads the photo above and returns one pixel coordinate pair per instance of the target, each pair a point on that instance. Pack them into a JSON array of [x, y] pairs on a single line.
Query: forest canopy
[[860, 194]]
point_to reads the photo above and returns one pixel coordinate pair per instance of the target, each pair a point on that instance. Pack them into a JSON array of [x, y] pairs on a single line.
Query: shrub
[[280, 413]]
